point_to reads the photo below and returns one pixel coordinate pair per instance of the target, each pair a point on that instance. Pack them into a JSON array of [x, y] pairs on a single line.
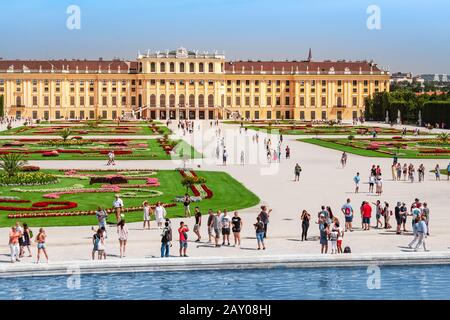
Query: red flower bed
[[435, 151], [53, 153], [117, 152], [70, 151], [42, 206], [209, 193]]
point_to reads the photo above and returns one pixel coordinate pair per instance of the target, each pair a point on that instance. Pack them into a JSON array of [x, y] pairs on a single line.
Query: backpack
[[347, 250], [31, 234], [185, 235], [96, 240], [347, 211]]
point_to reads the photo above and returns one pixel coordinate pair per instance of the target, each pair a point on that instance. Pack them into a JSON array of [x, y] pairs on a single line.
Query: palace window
[[313, 101], [152, 67], [191, 100], [247, 101], [162, 67], [355, 101], [182, 67], [201, 67], [81, 101], [201, 101], [114, 101], [46, 101], [91, 100], [269, 100], [105, 101], [287, 101], [238, 101], [211, 67], [278, 101], [211, 100], [191, 67], [35, 101], [324, 101], [58, 101], [153, 101], [339, 83], [302, 101], [228, 101], [72, 101], [172, 67], [162, 100]]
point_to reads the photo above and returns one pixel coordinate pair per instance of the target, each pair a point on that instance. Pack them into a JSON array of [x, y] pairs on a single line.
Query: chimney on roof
[[100, 59]]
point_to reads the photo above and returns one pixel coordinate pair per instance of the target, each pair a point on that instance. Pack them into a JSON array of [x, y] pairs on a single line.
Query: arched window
[[201, 67], [201, 101], [18, 101], [172, 101], [191, 67], [162, 100], [162, 67], [153, 101], [182, 67], [182, 101], [211, 67], [172, 67], [211, 100], [152, 67], [192, 101]]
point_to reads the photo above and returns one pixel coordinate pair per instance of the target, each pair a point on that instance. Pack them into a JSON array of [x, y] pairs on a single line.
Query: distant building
[[399, 77], [436, 78]]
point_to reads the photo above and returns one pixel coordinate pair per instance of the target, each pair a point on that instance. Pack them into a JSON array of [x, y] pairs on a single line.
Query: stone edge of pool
[[216, 263]]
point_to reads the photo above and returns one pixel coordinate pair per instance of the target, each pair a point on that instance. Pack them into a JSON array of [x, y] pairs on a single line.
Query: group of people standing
[[21, 238]]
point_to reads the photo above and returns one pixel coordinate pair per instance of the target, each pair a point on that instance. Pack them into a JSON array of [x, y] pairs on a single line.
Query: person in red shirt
[[366, 215], [182, 231]]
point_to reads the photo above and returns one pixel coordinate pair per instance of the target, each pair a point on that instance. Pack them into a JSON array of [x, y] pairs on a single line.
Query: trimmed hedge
[[436, 112]]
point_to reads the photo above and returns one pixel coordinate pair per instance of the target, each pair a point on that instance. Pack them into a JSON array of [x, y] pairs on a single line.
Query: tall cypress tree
[[2, 108]]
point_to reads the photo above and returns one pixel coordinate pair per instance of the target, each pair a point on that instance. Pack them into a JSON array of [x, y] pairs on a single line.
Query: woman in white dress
[[147, 214], [160, 214]]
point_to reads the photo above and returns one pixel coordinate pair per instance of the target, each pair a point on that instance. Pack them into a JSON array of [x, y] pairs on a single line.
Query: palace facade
[[183, 84]]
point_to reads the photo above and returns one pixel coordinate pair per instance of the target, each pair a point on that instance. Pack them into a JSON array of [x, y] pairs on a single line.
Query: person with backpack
[[297, 171], [183, 236], [347, 210], [259, 229], [165, 241]]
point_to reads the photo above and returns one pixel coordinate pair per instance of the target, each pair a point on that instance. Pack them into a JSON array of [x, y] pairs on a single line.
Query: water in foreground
[[402, 282]]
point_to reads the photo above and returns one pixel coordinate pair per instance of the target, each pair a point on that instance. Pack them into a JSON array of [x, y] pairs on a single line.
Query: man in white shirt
[[118, 205]]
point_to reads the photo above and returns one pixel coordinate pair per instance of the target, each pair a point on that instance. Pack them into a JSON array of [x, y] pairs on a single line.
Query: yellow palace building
[[183, 84]]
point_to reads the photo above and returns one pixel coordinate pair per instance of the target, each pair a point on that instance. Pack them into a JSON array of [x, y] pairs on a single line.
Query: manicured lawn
[[83, 130], [228, 193], [141, 150], [328, 130], [385, 148]]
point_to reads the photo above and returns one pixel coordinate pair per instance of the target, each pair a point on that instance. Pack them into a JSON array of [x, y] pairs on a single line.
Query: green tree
[[2, 107], [11, 163]]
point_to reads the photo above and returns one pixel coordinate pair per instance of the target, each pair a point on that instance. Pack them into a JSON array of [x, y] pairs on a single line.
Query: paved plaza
[[323, 182]]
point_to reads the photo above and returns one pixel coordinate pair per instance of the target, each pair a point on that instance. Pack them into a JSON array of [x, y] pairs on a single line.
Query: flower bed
[[40, 206], [116, 179], [27, 179], [76, 213]]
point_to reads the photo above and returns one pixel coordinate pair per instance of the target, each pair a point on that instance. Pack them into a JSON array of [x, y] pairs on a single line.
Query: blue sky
[[414, 34]]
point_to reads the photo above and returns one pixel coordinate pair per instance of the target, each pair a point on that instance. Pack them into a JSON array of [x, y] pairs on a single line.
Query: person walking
[[183, 236], [448, 172], [165, 240], [96, 238], [27, 236], [305, 218], [217, 228], [399, 171], [225, 222], [236, 223], [366, 214], [242, 158], [357, 180], [387, 215], [426, 215], [13, 243], [371, 183], [404, 215], [147, 214], [421, 172], [344, 159], [422, 231], [160, 214], [398, 217], [224, 157], [264, 215], [437, 172], [210, 224], [288, 152], [118, 207], [186, 205], [297, 171], [378, 213], [334, 234], [379, 185], [40, 240], [102, 216], [347, 210], [260, 231], [324, 234], [122, 232], [405, 171], [198, 223]]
